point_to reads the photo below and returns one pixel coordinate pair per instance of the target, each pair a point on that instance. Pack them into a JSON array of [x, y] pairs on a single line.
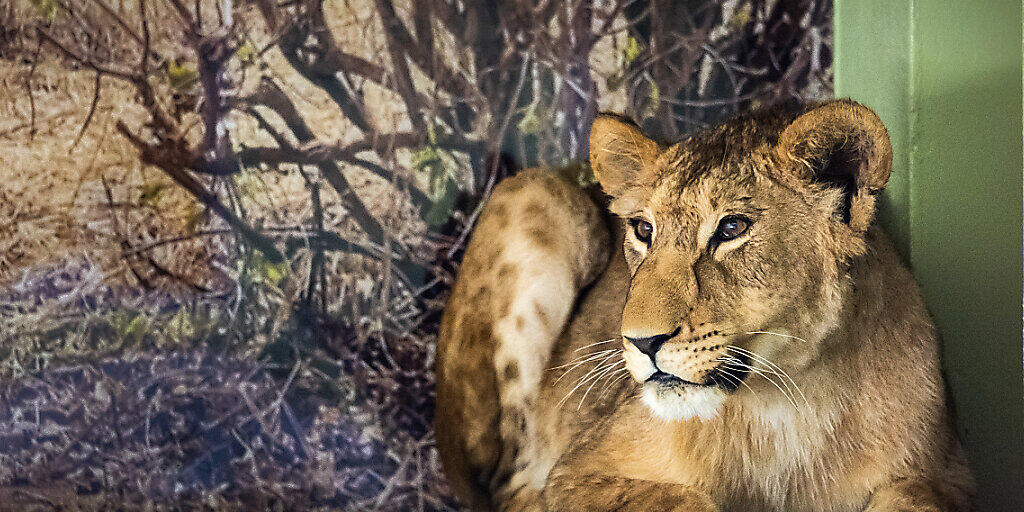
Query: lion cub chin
[[721, 327], [682, 402]]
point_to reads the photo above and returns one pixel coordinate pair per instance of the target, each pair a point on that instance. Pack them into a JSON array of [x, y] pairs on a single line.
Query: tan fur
[[544, 403]]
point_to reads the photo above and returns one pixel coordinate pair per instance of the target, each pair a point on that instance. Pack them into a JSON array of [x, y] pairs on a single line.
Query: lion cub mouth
[[728, 375], [673, 398], [666, 379]]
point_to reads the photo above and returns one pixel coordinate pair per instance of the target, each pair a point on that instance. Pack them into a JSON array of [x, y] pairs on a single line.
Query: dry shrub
[[277, 194]]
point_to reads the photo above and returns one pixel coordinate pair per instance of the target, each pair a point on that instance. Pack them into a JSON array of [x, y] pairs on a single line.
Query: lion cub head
[[738, 241]]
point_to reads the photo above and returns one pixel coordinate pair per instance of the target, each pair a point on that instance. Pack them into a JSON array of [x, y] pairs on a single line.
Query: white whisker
[[778, 334], [599, 357], [729, 375], [594, 344], [598, 379], [583, 380], [776, 369], [733, 362], [611, 382], [585, 358], [585, 377]]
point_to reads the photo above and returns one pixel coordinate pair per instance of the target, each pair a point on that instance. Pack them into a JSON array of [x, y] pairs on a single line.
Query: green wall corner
[[945, 77]]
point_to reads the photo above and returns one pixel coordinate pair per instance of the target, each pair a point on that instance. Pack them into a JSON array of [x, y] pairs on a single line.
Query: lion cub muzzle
[[683, 374], [678, 359]]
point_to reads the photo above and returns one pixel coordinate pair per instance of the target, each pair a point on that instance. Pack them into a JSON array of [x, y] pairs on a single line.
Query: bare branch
[[146, 38], [381, 144], [193, 22], [85, 60], [171, 163], [92, 111], [31, 94], [441, 74], [403, 81], [313, 63], [271, 95], [120, 21], [115, 223]]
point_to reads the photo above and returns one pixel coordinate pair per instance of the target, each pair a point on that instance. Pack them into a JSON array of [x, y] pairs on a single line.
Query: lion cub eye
[[643, 230], [731, 227]]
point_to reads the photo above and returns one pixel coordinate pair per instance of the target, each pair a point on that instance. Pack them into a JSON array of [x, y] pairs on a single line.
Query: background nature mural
[[227, 227]]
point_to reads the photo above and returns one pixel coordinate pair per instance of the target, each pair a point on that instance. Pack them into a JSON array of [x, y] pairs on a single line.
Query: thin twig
[[125, 246], [92, 111], [129, 77], [172, 166], [31, 95], [120, 21]]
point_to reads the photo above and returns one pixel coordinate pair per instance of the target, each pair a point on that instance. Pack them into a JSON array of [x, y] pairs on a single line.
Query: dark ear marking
[[838, 170], [843, 145]]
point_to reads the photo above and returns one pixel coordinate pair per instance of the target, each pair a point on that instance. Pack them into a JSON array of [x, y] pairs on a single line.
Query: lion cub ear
[[619, 153], [844, 145]]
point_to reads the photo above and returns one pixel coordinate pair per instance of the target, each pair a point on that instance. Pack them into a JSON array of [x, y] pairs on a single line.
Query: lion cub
[[755, 344]]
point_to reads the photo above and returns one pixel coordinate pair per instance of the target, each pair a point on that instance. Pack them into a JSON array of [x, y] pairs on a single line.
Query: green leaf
[[182, 75], [530, 124], [426, 158], [275, 272], [431, 134], [655, 93], [247, 53], [437, 181], [443, 206], [435, 164], [585, 176], [631, 51], [264, 271], [651, 106], [151, 193], [248, 184], [181, 326], [129, 326], [48, 9], [136, 329], [740, 17]]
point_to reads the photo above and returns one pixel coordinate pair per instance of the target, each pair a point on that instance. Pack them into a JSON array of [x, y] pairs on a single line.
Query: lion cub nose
[[651, 344]]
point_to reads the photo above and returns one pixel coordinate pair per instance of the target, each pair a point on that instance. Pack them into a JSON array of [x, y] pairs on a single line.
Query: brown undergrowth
[[155, 356]]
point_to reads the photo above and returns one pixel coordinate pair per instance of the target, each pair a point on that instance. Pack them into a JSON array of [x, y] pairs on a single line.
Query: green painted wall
[[873, 66], [945, 76]]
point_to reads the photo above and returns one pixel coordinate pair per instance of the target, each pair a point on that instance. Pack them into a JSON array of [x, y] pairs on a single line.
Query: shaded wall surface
[[946, 78]]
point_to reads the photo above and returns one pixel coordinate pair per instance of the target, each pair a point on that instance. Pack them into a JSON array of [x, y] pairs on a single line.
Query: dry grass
[[50, 194], [53, 202]]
